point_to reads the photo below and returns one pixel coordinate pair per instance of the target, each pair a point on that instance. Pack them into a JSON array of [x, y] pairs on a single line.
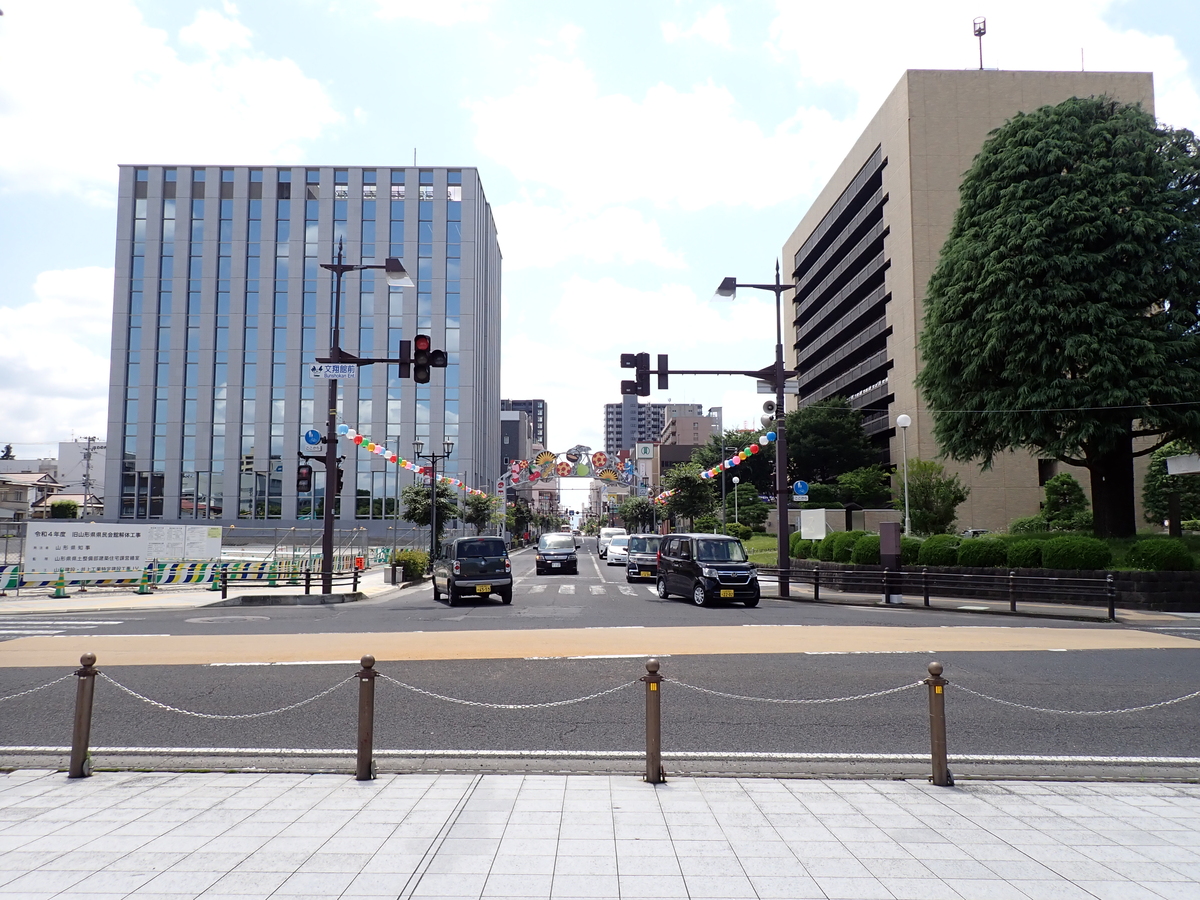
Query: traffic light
[[641, 362], [421, 359], [304, 479], [662, 371], [402, 369], [339, 480]]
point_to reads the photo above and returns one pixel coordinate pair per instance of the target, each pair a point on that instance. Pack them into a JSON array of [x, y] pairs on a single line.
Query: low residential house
[[87, 506], [24, 495]]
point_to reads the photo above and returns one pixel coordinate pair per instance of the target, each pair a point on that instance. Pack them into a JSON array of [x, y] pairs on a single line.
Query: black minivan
[[706, 568], [473, 566]]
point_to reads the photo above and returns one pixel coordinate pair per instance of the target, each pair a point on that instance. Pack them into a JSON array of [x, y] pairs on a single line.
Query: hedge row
[[1066, 551]]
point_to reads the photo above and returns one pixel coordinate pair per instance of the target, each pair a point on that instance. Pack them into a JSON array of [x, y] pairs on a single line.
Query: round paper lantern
[[358, 439], [350, 433], [392, 458], [342, 429], [754, 448], [763, 440], [771, 436]]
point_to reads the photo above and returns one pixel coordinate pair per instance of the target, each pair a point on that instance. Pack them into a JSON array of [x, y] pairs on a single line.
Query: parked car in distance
[[473, 566], [606, 535], [973, 532], [643, 556], [706, 568], [618, 550], [556, 553]]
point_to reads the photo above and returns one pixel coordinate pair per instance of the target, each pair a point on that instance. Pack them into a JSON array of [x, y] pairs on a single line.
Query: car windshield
[[480, 549], [644, 544], [611, 532], [556, 542], [719, 551], [619, 541]]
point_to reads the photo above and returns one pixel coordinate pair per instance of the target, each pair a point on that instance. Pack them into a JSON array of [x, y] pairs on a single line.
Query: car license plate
[[487, 589], [555, 565], [726, 592], [644, 574]]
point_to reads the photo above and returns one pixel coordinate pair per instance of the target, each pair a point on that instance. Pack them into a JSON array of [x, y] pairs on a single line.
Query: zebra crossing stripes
[[22, 627], [566, 588]]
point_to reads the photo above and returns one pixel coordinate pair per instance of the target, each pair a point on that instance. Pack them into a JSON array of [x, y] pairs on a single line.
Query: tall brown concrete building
[[863, 254]]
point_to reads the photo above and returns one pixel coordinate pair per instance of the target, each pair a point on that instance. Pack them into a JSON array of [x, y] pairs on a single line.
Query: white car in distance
[[606, 535], [618, 550]]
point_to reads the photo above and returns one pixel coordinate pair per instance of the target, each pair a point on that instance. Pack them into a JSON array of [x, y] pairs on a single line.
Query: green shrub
[[866, 551], [823, 549], [1075, 552], [798, 547], [706, 524], [1029, 525], [742, 532], [1025, 554], [412, 562], [982, 552], [939, 550], [910, 550], [1161, 555], [843, 544], [1191, 524]]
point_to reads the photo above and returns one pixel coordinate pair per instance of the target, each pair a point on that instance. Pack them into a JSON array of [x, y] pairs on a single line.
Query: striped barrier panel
[[49, 579], [186, 573], [10, 577]]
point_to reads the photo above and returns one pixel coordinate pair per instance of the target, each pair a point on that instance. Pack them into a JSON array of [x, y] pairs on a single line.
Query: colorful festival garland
[[380, 450], [745, 453]]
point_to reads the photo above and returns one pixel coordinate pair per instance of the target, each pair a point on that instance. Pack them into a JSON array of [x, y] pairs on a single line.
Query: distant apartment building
[[537, 412], [691, 431], [222, 305], [629, 421], [862, 256]]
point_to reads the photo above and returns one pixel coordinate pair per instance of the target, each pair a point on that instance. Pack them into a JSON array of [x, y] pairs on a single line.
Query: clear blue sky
[[634, 153]]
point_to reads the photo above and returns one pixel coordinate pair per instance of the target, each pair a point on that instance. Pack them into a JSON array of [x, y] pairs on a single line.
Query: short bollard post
[[85, 689], [224, 584], [816, 583], [365, 770], [1111, 587], [1012, 591], [887, 578], [654, 770], [937, 726], [354, 580], [925, 584], [307, 580]]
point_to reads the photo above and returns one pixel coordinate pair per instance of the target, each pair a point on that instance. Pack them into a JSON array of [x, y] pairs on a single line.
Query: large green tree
[[826, 439], [1159, 486], [1062, 315], [693, 495], [416, 502], [933, 496], [481, 510], [637, 513]]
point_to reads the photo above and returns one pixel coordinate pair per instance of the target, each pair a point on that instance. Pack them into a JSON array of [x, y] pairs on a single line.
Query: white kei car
[[618, 550]]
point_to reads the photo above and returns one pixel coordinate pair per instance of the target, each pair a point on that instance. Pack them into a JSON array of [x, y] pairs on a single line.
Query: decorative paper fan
[[565, 469], [607, 475], [599, 459], [543, 458]]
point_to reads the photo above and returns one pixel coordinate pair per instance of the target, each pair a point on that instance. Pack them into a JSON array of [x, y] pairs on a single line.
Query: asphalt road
[[692, 721]]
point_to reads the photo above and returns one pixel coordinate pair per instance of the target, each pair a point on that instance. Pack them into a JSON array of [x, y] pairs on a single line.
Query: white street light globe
[[903, 420]]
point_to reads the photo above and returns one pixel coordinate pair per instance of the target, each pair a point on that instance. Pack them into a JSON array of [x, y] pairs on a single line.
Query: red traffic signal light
[[421, 358], [304, 479], [422, 343]]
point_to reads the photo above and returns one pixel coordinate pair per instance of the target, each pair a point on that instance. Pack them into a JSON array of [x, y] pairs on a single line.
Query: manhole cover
[[216, 620]]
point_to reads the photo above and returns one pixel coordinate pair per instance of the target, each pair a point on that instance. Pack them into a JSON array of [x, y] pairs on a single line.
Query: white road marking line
[[72, 623], [627, 589], [537, 589], [597, 589], [307, 662], [651, 591], [29, 631], [974, 608], [566, 588], [621, 754]]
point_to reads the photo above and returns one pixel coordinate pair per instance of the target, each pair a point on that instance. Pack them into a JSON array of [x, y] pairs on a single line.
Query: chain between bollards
[[654, 769], [365, 769], [937, 726], [81, 763]]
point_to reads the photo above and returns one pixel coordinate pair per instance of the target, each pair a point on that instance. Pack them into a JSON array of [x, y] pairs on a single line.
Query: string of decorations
[[380, 450], [737, 459]]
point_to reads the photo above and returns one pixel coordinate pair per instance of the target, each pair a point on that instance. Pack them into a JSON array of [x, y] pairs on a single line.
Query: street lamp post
[[904, 421], [721, 428], [728, 288], [448, 448], [736, 482], [398, 277]]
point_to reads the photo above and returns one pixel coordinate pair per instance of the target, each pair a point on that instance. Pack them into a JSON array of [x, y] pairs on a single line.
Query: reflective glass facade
[[221, 305]]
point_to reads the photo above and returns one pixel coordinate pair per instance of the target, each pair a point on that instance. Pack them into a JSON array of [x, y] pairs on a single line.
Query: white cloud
[[215, 33], [54, 359], [688, 149], [712, 27], [111, 89], [436, 12], [540, 236], [576, 340], [886, 38]]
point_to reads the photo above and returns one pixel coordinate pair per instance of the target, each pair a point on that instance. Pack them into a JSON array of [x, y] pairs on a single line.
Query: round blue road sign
[[800, 487], [312, 436]]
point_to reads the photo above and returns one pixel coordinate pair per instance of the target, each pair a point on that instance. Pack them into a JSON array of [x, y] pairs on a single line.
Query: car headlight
[[709, 573], [541, 558]]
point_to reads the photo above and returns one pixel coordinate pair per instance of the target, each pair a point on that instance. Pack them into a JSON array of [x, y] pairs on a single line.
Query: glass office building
[[221, 306]]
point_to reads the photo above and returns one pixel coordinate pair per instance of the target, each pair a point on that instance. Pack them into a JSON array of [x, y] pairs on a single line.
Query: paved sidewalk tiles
[[219, 836]]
